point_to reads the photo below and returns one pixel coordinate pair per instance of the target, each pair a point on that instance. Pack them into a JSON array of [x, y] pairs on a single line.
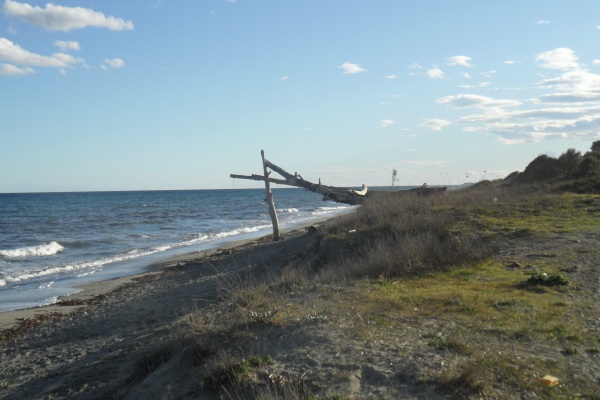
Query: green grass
[[546, 213], [483, 297]]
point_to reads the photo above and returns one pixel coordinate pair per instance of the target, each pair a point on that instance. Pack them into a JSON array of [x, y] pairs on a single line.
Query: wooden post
[[269, 199]]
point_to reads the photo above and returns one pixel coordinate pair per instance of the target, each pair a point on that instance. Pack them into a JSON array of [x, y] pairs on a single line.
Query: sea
[[51, 243]]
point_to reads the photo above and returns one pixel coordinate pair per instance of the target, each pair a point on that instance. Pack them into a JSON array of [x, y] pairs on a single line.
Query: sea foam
[[42, 250]]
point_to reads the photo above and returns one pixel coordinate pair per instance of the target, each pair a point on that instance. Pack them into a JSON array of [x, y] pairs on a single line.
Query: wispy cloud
[[568, 107], [572, 87], [384, 123], [67, 45], [13, 70], [435, 72], [542, 22], [434, 124], [476, 101], [478, 85], [391, 76], [112, 62], [351, 68], [15, 54], [59, 18], [561, 58], [463, 61]]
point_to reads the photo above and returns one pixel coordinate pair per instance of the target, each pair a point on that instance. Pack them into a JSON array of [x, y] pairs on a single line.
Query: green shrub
[[548, 280]]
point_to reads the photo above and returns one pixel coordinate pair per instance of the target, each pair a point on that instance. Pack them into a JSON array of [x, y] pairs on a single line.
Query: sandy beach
[[88, 344]]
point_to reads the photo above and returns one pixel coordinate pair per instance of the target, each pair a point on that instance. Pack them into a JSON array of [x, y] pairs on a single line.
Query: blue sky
[[178, 94]]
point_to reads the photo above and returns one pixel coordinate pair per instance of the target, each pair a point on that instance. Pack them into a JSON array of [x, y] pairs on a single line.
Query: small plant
[[314, 318], [571, 351], [263, 317], [229, 370], [548, 280], [445, 343]]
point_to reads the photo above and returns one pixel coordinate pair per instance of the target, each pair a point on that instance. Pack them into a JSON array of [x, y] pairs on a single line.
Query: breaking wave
[[43, 250]]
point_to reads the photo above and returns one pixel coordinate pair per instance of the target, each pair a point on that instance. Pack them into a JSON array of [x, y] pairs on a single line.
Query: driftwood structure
[[337, 194]]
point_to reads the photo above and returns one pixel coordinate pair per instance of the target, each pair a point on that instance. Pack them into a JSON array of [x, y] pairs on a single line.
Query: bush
[[400, 234], [548, 280]]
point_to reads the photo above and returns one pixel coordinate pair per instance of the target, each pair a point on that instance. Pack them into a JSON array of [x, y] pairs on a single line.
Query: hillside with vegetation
[[571, 171]]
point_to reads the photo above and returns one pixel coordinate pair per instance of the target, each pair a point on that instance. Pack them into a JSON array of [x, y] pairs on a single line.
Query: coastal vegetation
[[489, 291], [470, 293]]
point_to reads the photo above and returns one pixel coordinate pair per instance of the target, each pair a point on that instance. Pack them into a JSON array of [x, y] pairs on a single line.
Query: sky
[[178, 94]]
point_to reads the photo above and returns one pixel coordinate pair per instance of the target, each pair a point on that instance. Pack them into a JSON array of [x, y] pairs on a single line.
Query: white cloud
[[572, 86], [488, 74], [542, 22], [17, 55], [435, 124], [391, 76], [561, 58], [13, 70], [64, 45], [59, 18], [435, 72], [350, 68], [113, 62], [284, 78], [476, 101], [463, 61], [479, 85], [566, 105], [384, 123]]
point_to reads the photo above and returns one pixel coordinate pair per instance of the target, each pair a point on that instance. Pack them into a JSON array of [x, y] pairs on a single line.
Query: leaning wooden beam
[[339, 195], [261, 178]]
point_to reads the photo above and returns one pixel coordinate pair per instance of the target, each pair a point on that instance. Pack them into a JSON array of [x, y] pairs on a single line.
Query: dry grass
[[401, 235], [401, 258]]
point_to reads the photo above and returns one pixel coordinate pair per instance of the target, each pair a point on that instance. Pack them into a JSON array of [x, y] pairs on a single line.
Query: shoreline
[[91, 348], [92, 290]]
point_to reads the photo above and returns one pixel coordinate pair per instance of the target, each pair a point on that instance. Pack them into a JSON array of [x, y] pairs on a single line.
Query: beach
[[53, 243], [86, 345], [175, 331]]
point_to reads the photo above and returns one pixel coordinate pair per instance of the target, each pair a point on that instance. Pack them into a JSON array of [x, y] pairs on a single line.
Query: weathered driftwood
[[269, 199], [337, 194]]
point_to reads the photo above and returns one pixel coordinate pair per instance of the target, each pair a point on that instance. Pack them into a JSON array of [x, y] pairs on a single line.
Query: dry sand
[[89, 345]]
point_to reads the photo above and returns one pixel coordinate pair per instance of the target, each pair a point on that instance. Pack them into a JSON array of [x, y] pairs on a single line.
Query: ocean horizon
[[53, 242]]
